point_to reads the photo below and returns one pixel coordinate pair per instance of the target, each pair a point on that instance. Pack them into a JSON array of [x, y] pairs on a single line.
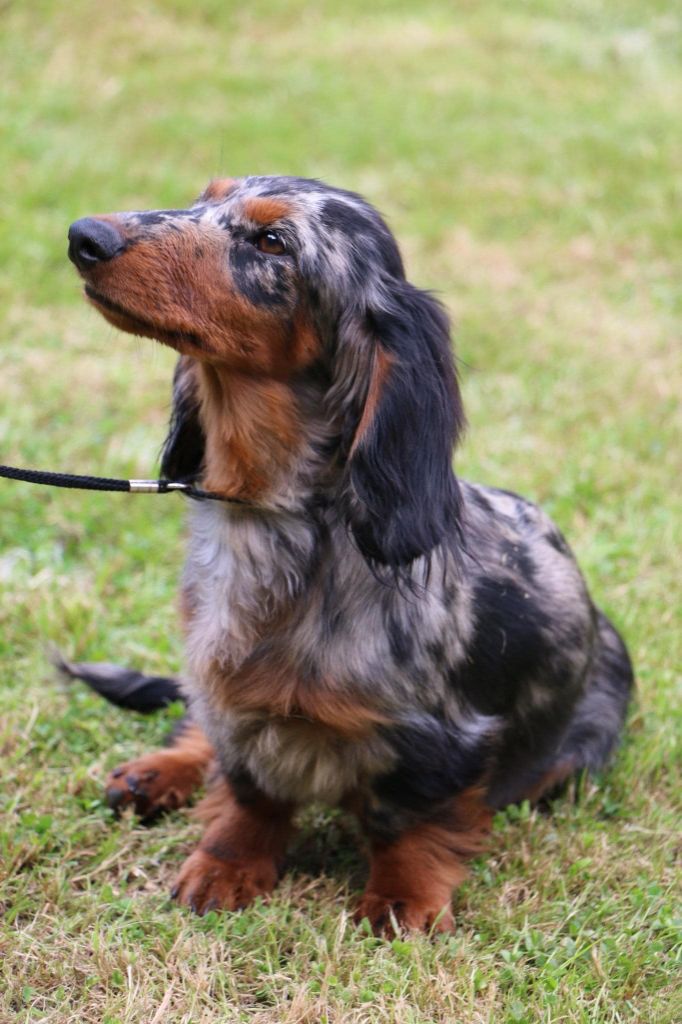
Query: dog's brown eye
[[271, 243]]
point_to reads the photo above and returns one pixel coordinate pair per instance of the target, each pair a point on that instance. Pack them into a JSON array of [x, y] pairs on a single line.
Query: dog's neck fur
[[275, 445], [264, 437]]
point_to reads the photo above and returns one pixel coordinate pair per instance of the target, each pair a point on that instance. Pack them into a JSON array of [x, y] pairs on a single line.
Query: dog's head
[[273, 278]]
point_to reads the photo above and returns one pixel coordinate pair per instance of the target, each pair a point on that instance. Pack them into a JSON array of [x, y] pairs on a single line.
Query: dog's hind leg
[[597, 722], [164, 779], [157, 782]]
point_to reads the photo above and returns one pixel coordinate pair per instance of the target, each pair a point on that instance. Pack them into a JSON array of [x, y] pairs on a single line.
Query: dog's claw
[[385, 913], [115, 797], [147, 790], [207, 883], [133, 784]]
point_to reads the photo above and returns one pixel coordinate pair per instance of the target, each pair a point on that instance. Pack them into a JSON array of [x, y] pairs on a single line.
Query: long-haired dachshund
[[362, 628]]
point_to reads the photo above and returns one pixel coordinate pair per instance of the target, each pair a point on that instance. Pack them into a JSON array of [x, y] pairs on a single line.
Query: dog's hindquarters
[[592, 731], [595, 726]]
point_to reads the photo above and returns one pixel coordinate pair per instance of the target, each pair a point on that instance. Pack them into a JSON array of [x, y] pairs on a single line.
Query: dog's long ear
[[183, 450], [402, 498]]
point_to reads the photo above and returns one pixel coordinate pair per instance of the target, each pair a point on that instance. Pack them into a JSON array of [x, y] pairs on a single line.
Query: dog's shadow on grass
[[328, 843]]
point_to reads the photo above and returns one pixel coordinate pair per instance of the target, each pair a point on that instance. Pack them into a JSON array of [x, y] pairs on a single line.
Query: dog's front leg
[[240, 854], [415, 866]]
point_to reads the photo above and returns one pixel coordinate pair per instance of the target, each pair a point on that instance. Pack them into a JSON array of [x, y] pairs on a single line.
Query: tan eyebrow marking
[[264, 209]]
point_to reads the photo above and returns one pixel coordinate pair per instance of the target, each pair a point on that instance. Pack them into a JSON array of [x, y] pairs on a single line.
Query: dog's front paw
[[208, 883], [386, 914], [151, 784]]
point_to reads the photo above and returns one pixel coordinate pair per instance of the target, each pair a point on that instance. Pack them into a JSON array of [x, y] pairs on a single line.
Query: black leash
[[104, 483]]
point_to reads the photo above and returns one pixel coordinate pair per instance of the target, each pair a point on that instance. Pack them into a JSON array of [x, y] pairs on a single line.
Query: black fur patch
[[517, 557], [264, 280], [243, 785], [557, 541], [435, 760], [332, 615], [401, 641], [511, 646], [183, 450]]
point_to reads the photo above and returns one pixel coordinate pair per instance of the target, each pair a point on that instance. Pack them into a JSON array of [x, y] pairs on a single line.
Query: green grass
[[527, 155]]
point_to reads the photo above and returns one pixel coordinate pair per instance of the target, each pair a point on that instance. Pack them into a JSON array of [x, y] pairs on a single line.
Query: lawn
[[527, 154]]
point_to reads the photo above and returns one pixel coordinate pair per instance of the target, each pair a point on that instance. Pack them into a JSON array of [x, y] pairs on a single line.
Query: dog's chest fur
[[297, 655], [304, 667]]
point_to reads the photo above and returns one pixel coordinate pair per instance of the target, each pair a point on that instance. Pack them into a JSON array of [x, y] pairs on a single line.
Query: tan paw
[[151, 784], [409, 914], [208, 883]]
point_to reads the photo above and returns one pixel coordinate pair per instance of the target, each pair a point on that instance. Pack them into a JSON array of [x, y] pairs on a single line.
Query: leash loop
[[105, 483]]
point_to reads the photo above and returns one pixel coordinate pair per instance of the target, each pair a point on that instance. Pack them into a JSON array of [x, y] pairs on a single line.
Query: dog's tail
[[122, 686]]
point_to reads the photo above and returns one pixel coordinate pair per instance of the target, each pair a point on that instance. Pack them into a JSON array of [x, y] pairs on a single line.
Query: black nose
[[93, 241]]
